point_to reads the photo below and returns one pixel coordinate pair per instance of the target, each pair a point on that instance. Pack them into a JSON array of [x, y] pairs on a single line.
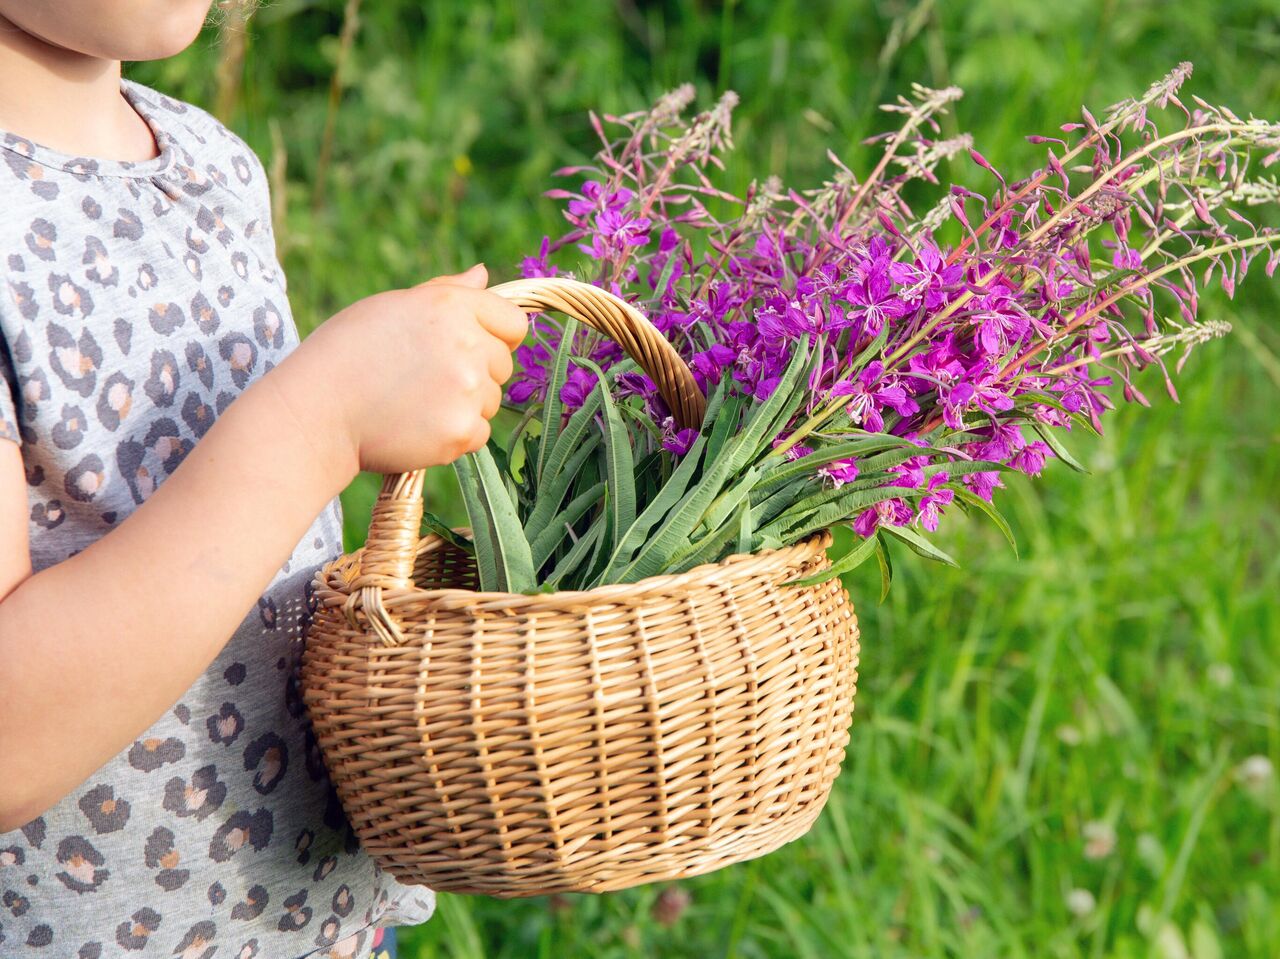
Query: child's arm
[[94, 649]]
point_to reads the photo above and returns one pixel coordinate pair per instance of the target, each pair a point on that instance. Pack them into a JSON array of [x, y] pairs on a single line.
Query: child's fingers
[[502, 318], [492, 401], [476, 277], [501, 366]]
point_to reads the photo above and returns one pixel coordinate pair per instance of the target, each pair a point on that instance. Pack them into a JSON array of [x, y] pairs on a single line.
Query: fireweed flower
[[869, 394], [1050, 293]]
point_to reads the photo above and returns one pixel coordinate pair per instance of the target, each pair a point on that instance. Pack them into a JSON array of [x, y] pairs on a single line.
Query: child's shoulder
[[196, 131]]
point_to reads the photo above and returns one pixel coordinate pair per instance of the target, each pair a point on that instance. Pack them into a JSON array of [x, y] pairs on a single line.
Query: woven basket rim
[[333, 588]]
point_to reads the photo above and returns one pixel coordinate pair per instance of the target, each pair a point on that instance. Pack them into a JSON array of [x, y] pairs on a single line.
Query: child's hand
[[413, 375]]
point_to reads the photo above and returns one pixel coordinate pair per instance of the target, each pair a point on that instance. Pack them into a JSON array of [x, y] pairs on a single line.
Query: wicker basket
[[516, 745]]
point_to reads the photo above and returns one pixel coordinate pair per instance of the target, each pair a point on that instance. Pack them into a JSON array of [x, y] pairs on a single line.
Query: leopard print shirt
[[137, 301]]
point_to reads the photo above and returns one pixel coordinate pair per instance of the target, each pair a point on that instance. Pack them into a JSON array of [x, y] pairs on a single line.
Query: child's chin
[[131, 30]]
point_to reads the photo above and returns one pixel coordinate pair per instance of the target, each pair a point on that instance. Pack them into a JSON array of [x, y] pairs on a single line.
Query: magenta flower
[[889, 512]]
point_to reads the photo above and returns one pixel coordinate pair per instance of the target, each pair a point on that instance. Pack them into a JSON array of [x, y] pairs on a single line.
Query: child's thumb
[[476, 277]]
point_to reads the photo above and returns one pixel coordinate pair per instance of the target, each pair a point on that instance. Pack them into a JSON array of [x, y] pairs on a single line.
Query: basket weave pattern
[[521, 745], [517, 745]]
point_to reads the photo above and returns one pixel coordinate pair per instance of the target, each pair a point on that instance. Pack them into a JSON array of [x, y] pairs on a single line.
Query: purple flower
[[709, 365], [531, 375], [889, 512], [1006, 440], [615, 232], [926, 279], [677, 441], [577, 387], [867, 396], [981, 390], [1030, 459], [840, 472], [532, 266], [983, 484], [872, 297], [1001, 323], [932, 503]]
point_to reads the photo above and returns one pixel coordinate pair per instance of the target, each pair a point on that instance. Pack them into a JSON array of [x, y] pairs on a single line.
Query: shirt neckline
[[135, 95]]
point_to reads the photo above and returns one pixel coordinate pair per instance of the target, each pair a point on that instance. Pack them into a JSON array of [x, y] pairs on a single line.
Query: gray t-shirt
[[138, 301]]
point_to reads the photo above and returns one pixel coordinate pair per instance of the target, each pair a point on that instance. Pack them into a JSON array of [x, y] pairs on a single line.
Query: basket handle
[[388, 557]]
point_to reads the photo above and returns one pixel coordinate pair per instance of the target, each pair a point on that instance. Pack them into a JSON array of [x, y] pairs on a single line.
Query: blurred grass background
[[1067, 754]]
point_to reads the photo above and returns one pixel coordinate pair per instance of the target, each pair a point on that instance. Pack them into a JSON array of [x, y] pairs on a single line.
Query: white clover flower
[[1099, 839], [1080, 903]]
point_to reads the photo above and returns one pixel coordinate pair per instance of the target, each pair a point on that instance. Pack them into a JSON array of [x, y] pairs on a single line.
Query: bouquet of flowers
[[858, 371]]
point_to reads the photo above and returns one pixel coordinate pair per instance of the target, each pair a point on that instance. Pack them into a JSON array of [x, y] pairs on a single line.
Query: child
[[170, 459]]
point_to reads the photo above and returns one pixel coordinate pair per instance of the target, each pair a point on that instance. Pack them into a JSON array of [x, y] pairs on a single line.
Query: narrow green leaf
[[969, 497], [485, 546], [668, 497], [849, 449], [842, 507], [552, 407], [571, 437], [773, 503], [886, 565], [554, 533], [551, 494], [514, 571], [726, 504], [433, 523], [619, 459], [709, 549], [851, 560], [965, 467], [920, 545], [574, 558], [724, 426], [746, 529], [1059, 450]]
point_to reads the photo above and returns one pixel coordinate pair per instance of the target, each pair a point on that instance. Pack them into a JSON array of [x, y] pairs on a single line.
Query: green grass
[[1119, 672]]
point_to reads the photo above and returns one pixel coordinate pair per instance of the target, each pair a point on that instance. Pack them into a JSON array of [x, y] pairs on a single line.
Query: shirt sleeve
[[8, 397]]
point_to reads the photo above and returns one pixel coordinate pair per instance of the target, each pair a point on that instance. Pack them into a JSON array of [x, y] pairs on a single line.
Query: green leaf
[[920, 545], [808, 465], [726, 504], [1059, 450], [503, 559], [886, 565], [969, 497], [552, 407], [551, 494], [485, 547], [571, 437], [665, 276], [619, 460], [965, 467], [839, 506], [549, 538], [746, 529], [433, 523], [772, 503], [710, 548], [658, 551], [724, 426], [580, 550], [851, 560], [668, 497]]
